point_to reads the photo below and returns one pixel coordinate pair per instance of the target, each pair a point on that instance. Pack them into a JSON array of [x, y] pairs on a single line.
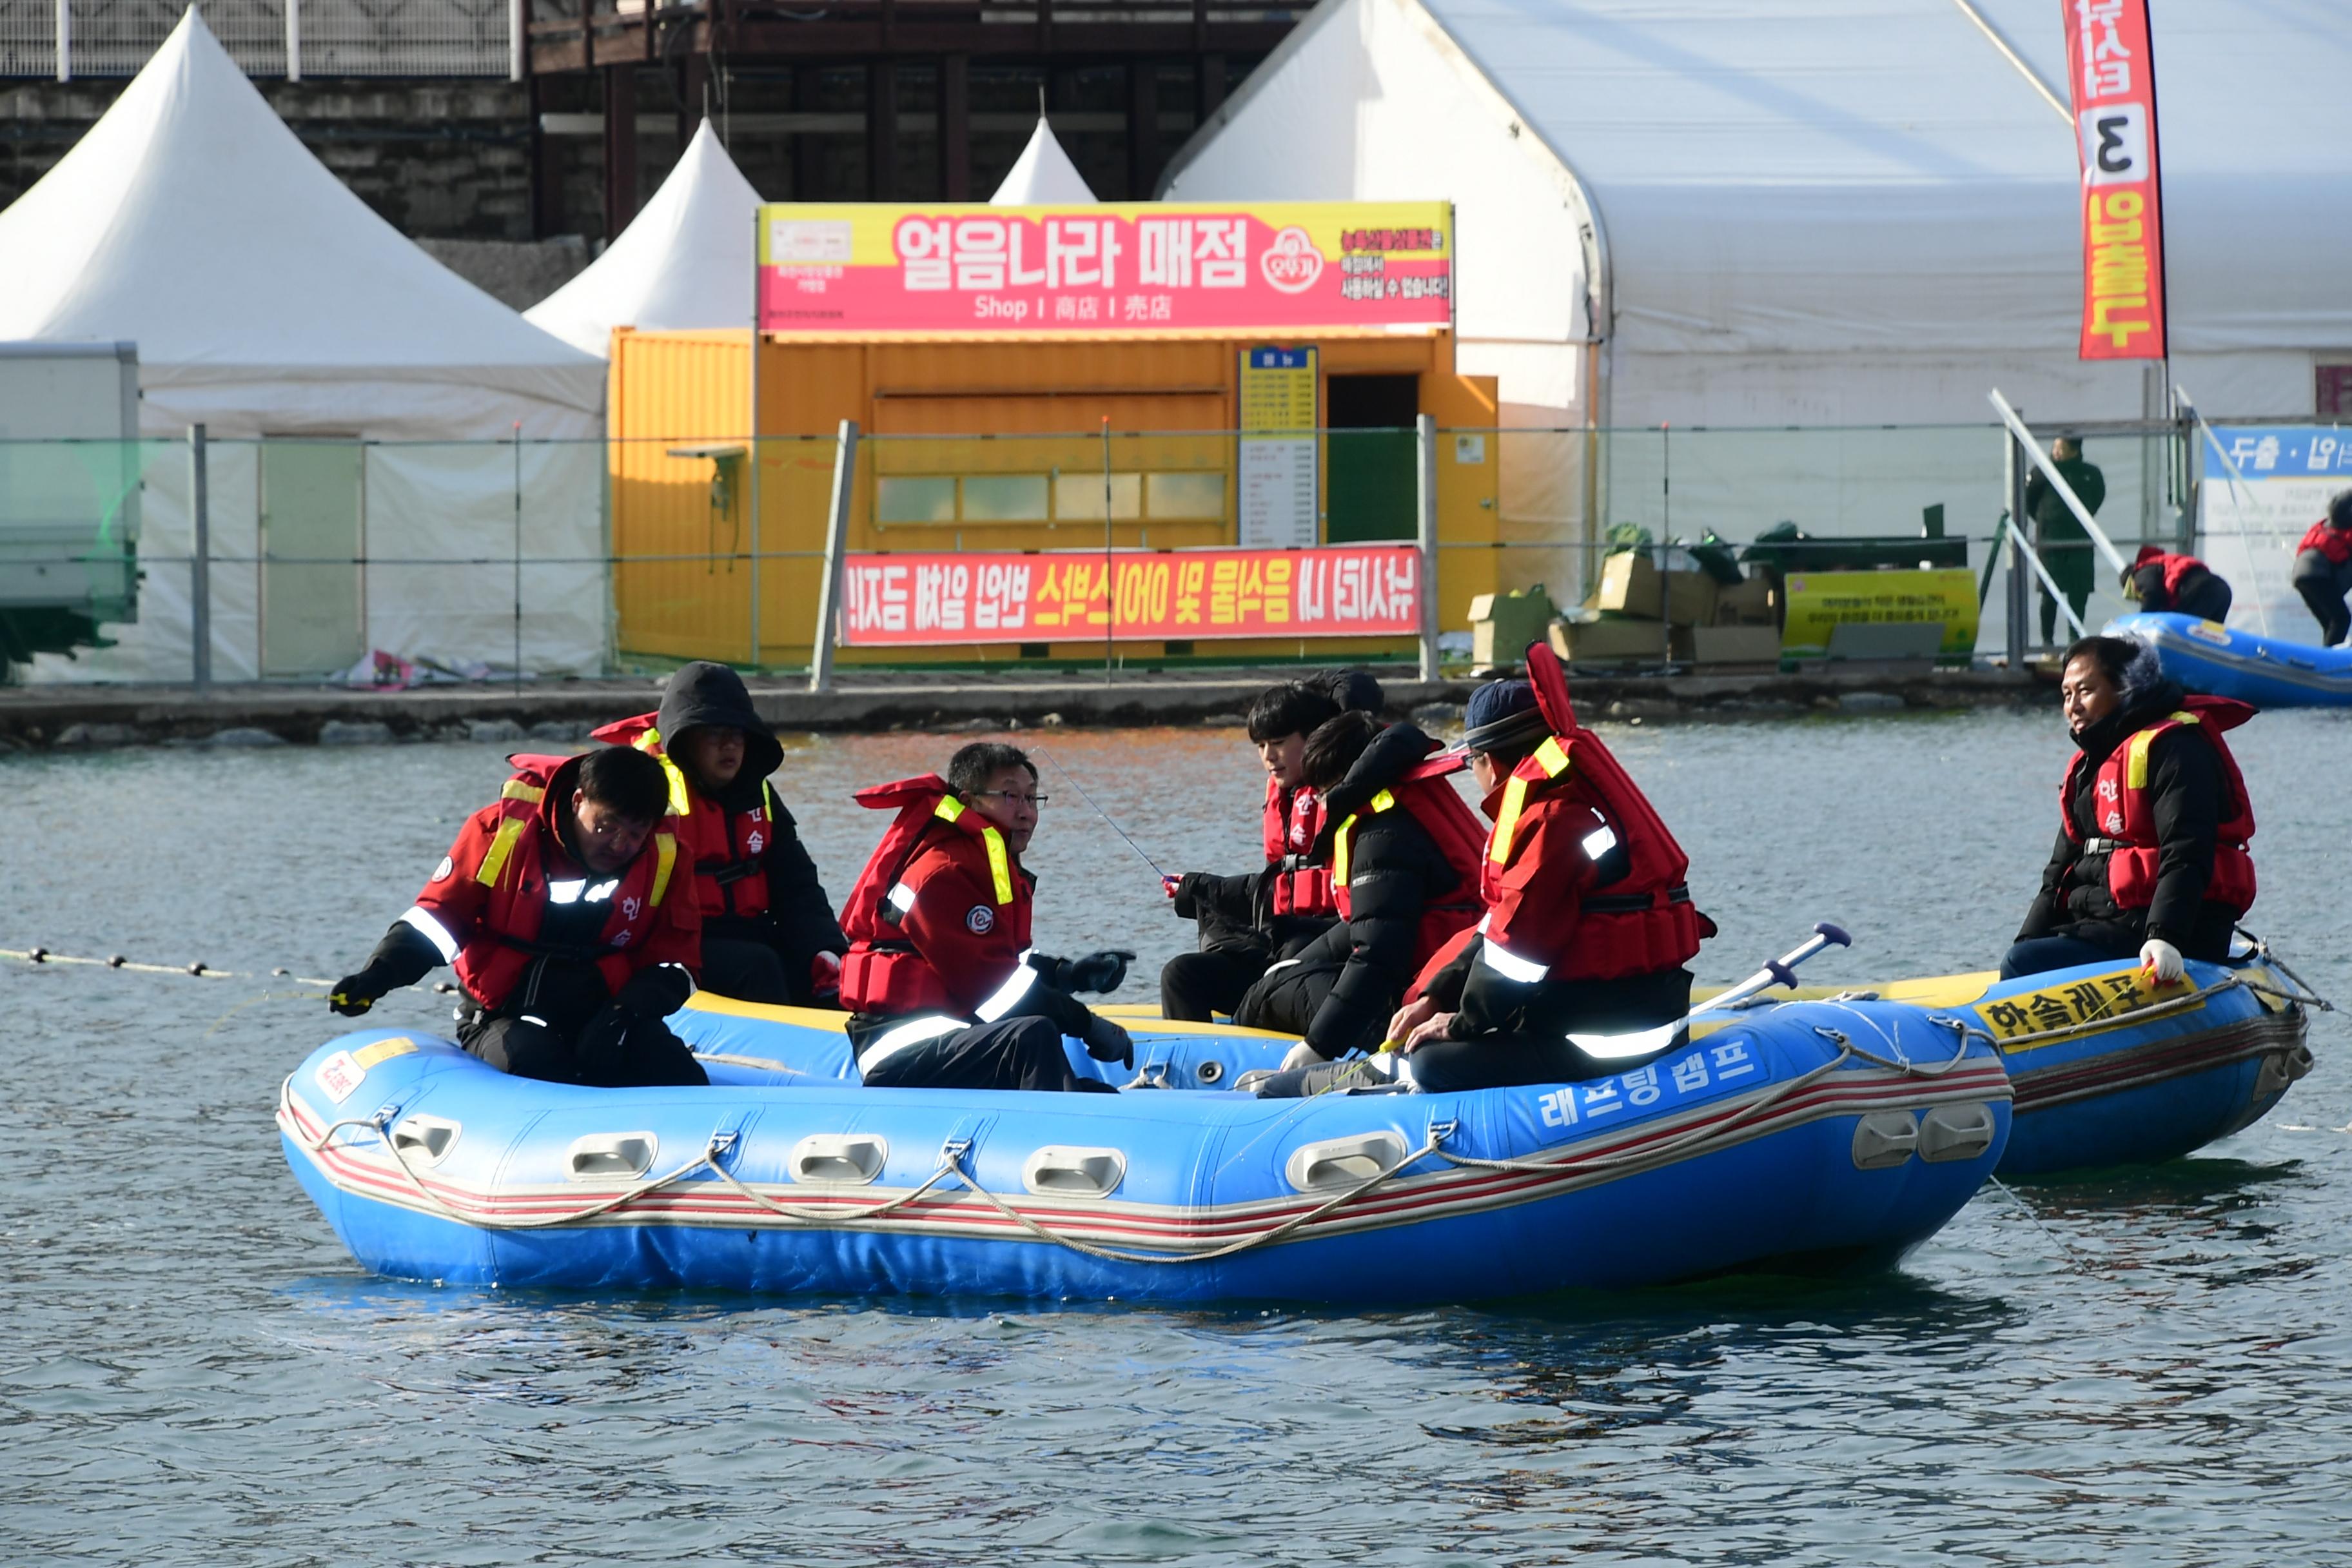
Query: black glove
[[657, 992], [1106, 1042], [1104, 971], [354, 993]]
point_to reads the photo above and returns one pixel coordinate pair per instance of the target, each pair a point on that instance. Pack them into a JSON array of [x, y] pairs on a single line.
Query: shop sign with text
[[1109, 269]]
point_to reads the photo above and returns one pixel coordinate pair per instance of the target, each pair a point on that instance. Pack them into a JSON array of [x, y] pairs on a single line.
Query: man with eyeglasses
[[943, 987], [571, 924]]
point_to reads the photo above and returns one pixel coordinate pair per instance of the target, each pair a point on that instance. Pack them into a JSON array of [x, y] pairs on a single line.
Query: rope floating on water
[[199, 970]]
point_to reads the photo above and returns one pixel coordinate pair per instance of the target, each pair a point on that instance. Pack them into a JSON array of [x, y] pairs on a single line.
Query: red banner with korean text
[[2112, 71], [912, 599]]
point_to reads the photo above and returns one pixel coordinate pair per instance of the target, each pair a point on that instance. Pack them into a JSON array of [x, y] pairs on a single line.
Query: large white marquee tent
[[268, 300], [1845, 213], [1771, 212]]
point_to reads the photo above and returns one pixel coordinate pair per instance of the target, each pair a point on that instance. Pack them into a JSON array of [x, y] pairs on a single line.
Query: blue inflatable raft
[[1846, 1130], [2230, 661], [2107, 1071]]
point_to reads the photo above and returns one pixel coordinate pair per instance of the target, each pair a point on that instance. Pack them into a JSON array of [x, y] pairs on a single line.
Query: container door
[[310, 521], [1371, 492]]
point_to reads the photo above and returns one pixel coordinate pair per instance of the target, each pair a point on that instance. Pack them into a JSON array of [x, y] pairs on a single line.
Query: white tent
[[683, 262], [1765, 212], [1818, 213], [1042, 176], [268, 300]]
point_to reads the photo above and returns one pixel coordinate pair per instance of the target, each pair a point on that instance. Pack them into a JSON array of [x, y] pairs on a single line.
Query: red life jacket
[[2176, 567], [488, 899], [898, 965], [1292, 823], [727, 847], [1642, 922], [1434, 804], [2336, 544], [2126, 817]]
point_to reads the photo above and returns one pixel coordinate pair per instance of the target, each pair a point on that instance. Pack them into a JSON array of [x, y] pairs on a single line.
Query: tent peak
[[1042, 176]]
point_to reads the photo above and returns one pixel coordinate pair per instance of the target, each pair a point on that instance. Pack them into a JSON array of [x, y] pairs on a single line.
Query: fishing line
[[1098, 811], [2073, 1259]]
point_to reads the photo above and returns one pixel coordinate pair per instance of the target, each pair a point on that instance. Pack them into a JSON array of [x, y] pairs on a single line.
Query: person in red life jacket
[[2182, 585], [1250, 919], [1579, 964], [942, 985], [2323, 569], [1404, 853], [2154, 821], [570, 922], [768, 931]]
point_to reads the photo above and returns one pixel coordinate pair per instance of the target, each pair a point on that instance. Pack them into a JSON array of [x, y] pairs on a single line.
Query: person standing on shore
[[2059, 536], [943, 987], [768, 931], [2323, 569], [2152, 825], [562, 908]]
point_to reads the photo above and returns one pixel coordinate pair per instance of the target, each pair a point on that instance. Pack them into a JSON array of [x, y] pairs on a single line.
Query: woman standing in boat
[[2153, 823]]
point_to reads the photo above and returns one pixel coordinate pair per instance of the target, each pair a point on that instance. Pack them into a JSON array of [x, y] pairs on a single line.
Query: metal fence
[[63, 39], [298, 559]]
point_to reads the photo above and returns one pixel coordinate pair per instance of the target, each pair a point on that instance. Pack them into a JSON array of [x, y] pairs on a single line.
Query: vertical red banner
[[2111, 69]]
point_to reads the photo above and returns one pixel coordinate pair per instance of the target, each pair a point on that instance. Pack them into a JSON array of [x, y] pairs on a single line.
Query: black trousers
[[1285, 999], [1011, 1053], [613, 1049], [1197, 986], [749, 972], [2208, 599], [2323, 584]]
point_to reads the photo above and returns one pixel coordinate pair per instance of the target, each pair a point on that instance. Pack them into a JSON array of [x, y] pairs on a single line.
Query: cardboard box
[[1736, 644], [1502, 624], [1748, 602], [1610, 642], [1629, 584]]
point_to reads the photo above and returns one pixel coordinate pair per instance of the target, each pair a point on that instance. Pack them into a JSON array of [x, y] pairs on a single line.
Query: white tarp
[[1813, 211], [683, 263], [1042, 176], [267, 299]]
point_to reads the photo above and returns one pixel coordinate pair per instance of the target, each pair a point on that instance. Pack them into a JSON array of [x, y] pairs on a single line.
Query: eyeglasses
[[1013, 796]]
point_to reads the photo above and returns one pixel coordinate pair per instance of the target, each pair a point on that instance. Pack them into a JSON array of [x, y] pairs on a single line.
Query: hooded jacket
[[753, 878]]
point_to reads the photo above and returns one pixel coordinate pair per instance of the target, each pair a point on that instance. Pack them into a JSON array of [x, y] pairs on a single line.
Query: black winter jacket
[[1394, 873], [2188, 795], [800, 921]]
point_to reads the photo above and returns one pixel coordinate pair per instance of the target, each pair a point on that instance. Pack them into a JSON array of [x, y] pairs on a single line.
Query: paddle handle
[[1781, 970]]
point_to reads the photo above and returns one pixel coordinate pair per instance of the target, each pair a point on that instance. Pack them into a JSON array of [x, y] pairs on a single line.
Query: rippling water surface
[[2147, 1366]]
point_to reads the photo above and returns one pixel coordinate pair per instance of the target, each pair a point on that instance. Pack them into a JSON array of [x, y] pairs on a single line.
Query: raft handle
[[1956, 1132], [838, 1159], [430, 1138], [1060, 1171], [1884, 1139], [611, 1154], [1342, 1161]]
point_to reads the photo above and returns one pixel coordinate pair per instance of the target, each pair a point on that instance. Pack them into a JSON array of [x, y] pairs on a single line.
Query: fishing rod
[[1165, 879]]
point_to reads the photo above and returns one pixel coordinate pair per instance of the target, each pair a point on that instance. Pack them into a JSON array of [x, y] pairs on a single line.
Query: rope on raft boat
[[951, 1158]]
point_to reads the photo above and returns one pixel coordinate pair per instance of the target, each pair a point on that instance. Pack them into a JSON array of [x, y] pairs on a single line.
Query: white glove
[[2162, 960], [1301, 1054]]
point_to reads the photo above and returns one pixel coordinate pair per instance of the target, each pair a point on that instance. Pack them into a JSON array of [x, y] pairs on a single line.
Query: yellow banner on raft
[[1820, 602], [2080, 1006]]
